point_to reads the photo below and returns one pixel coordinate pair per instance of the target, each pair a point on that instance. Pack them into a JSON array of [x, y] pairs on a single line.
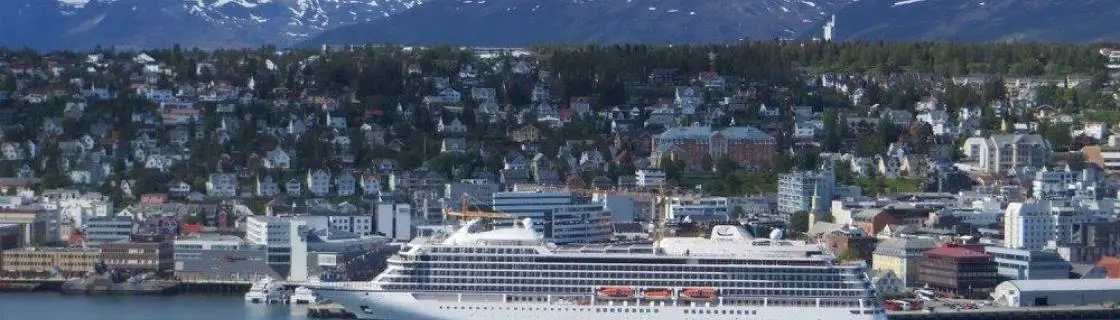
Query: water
[[51, 306]]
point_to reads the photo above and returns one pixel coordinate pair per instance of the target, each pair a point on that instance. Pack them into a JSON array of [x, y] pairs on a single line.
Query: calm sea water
[[51, 306]]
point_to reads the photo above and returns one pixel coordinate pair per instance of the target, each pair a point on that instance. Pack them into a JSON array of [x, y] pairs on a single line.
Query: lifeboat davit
[[616, 292], [699, 293], [657, 294]]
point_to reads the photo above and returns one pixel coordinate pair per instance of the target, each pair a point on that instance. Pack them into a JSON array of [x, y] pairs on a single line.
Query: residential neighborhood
[[919, 176]]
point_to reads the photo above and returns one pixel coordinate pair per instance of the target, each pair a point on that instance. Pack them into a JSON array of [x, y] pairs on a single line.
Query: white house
[[453, 145], [178, 189], [807, 129], [319, 182], [293, 187], [336, 120], [370, 183], [267, 187], [277, 159], [222, 185], [540, 93], [688, 99], [455, 126], [649, 178], [344, 184], [769, 112]]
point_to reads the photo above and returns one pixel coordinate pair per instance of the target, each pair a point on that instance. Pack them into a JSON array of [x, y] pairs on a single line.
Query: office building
[[1027, 225], [281, 238], [958, 272], [561, 217], [101, 230], [698, 209], [45, 261], [394, 220], [144, 253], [1019, 264], [796, 190]]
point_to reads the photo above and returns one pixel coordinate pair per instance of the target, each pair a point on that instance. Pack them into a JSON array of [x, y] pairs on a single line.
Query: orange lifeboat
[[657, 294], [699, 293], [616, 292]]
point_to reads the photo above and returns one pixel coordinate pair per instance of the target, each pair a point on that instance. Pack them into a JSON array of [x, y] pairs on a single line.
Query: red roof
[[957, 252], [1112, 264], [191, 228]]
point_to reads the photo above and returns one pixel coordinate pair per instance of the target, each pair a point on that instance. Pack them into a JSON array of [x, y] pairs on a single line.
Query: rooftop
[[957, 252], [210, 237], [705, 133], [1066, 285], [906, 244]]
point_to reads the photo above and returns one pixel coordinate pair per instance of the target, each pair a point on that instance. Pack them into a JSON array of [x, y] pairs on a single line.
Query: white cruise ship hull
[[386, 305]]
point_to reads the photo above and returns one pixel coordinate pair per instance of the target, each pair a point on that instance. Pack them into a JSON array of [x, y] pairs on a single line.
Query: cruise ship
[[512, 273]]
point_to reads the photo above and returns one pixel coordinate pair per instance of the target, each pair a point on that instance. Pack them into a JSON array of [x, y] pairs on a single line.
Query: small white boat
[[303, 295], [265, 291]]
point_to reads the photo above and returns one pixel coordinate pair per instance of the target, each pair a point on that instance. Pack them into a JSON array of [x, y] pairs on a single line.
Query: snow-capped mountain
[[204, 23], [981, 20], [524, 22]]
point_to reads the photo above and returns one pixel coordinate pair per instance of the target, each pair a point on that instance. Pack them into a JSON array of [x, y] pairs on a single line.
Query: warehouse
[[1031, 293]]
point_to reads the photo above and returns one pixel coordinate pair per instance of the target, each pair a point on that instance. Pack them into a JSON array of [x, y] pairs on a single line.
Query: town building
[[851, 241], [649, 178], [222, 257], [886, 282], [697, 145], [101, 230], [958, 271], [42, 261], [698, 209], [1019, 264], [144, 253], [1000, 153], [281, 238], [394, 220], [796, 190], [902, 256], [476, 192], [561, 217], [1027, 225]]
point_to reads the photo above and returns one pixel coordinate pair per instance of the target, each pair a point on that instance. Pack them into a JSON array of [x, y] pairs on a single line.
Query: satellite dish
[[777, 234]]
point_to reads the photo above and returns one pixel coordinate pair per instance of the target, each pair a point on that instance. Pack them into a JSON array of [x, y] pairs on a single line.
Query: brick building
[[146, 253], [893, 215], [747, 146], [851, 240], [958, 271]]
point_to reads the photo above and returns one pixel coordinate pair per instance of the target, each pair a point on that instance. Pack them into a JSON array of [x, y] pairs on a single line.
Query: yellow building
[[46, 259], [901, 255]]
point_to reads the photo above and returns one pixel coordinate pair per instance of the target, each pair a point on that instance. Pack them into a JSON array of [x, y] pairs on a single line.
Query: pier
[[182, 286], [1068, 312]]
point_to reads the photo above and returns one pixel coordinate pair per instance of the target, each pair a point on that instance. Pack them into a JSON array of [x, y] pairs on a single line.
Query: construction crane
[[659, 197], [465, 211]]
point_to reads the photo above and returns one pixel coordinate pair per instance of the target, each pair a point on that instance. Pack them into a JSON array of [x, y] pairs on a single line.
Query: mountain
[[526, 22], [81, 24], [980, 20]]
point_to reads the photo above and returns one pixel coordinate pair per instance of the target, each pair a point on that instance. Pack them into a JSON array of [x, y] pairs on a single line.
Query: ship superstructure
[[511, 273]]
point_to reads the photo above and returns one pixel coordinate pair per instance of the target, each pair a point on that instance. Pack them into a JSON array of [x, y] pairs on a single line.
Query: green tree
[[799, 222]]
